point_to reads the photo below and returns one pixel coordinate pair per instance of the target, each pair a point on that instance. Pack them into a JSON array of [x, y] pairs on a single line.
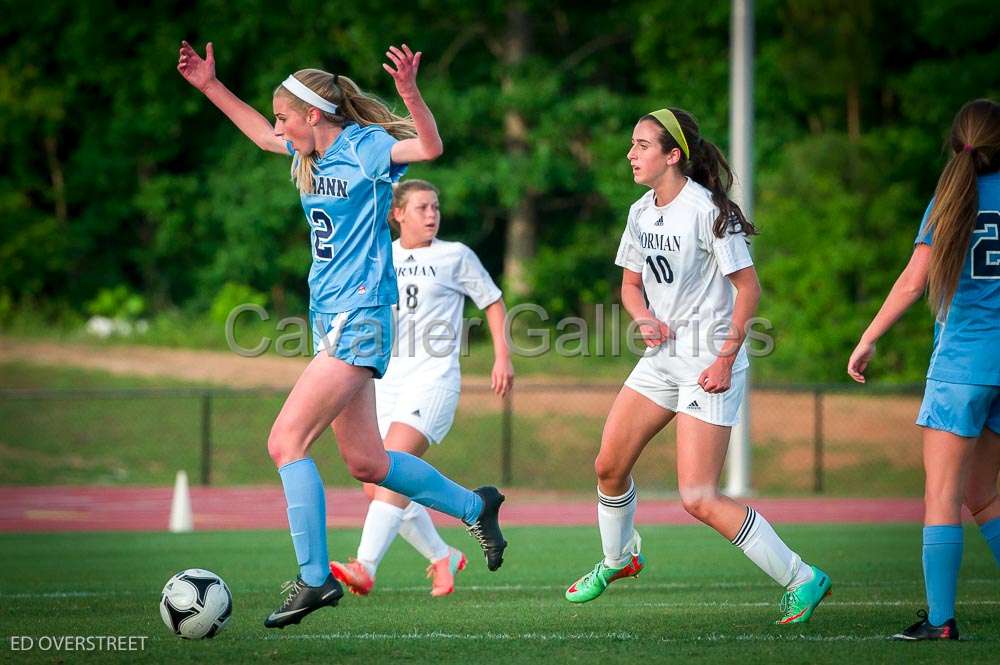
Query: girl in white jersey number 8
[[684, 246], [347, 150], [417, 397]]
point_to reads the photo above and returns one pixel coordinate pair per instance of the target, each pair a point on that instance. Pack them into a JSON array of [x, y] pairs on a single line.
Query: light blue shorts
[[361, 337], [960, 408]]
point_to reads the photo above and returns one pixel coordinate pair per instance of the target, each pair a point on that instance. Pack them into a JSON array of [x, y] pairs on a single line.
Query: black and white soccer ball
[[195, 603]]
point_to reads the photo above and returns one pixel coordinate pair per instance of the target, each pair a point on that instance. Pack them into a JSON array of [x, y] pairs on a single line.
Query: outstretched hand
[[196, 70], [405, 74]]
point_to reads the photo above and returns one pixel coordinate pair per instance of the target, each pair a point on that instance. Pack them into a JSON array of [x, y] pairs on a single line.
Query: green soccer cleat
[[594, 583], [798, 604]]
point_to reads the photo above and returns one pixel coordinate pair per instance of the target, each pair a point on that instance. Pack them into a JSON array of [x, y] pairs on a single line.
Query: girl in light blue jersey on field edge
[[347, 149], [957, 257]]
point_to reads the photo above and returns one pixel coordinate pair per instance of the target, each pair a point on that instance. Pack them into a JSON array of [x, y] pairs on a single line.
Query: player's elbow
[[433, 150], [909, 287]]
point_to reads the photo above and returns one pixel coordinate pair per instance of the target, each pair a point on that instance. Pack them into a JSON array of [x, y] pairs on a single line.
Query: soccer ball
[[195, 603]]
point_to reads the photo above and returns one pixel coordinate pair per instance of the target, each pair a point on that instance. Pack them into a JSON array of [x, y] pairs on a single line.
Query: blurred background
[[134, 217]]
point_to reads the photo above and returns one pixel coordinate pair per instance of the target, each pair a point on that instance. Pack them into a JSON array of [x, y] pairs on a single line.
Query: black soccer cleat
[[303, 599], [486, 529], [925, 630]]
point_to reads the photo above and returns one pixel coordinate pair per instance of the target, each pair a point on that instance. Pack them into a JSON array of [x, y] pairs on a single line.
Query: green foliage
[[233, 295], [117, 303], [119, 175]]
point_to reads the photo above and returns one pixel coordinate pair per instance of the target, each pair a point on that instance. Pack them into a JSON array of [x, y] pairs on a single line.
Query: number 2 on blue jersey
[[322, 231], [986, 250]]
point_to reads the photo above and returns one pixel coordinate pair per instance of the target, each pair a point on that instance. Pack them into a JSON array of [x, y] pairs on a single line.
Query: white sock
[[762, 545], [418, 530], [381, 527], [616, 519]]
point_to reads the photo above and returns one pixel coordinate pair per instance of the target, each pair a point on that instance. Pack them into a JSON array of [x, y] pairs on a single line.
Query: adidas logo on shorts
[[694, 405], [416, 413]]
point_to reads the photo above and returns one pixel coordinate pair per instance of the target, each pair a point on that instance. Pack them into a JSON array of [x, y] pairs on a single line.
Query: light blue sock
[[942, 558], [307, 519], [412, 477], [991, 532]]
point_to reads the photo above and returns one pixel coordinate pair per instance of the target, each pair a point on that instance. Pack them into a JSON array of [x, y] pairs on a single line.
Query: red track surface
[[26, 509]]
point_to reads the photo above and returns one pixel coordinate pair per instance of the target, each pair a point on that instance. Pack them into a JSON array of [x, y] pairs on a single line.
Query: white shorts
[[428, 409], [714, 408]]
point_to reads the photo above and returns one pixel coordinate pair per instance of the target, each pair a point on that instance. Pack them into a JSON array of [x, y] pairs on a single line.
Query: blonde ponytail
[[975, 143], [353, 105]]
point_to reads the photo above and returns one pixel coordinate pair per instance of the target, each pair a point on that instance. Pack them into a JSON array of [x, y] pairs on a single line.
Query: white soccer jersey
[[433, 283], [684, 267]]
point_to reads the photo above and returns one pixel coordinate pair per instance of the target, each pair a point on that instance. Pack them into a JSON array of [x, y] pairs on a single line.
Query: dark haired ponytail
[[708, 167]]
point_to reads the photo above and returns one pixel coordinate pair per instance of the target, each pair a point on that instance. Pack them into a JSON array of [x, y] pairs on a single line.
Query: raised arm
[[907, 290], [427, 145], [200, 72]]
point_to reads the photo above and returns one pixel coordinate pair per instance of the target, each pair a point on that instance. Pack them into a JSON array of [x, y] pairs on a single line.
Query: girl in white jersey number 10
[[347, 149], [417, 397], [683, 249]]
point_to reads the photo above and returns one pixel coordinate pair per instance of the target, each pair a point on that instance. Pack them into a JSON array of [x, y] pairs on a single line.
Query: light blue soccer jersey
[[967, 342], [347, 215]]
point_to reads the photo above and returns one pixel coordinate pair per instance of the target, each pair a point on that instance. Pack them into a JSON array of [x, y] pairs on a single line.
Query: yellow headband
[[669, 122]]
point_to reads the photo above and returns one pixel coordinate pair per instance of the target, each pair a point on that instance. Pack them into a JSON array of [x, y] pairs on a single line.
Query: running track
[[81, 508]]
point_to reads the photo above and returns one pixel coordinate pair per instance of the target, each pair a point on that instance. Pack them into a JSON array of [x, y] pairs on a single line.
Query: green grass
[[699, 599]]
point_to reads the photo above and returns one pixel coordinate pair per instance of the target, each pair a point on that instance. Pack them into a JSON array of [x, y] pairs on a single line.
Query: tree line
[[117, 175]]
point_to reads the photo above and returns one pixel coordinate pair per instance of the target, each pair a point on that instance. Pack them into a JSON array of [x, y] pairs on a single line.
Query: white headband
[[306, 94]]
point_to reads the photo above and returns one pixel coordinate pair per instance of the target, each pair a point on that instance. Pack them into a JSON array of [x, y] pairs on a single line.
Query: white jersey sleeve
[[732, 250], [629, 255], [474, 281]]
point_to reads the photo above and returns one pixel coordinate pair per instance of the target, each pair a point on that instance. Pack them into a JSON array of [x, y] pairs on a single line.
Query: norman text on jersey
[[659, 241]]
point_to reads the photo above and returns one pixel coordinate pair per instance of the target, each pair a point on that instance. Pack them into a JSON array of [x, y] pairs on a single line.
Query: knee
[[945, 496], [609, 473], [977, 499], [698, 502], [284, 446], [369, 469]]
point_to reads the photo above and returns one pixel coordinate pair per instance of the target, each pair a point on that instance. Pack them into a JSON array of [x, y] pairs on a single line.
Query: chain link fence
[[805, 439]]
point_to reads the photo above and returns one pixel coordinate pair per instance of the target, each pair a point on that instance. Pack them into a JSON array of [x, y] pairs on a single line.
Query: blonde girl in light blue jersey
[[347, 149]]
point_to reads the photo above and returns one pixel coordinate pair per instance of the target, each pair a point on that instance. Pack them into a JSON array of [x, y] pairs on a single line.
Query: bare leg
[[325, 389], [701, 454], [981, 487], [322, 391], [947, 467], [632, 422]]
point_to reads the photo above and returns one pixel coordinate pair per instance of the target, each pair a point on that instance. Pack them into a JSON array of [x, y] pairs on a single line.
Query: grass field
[[698, 599]]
